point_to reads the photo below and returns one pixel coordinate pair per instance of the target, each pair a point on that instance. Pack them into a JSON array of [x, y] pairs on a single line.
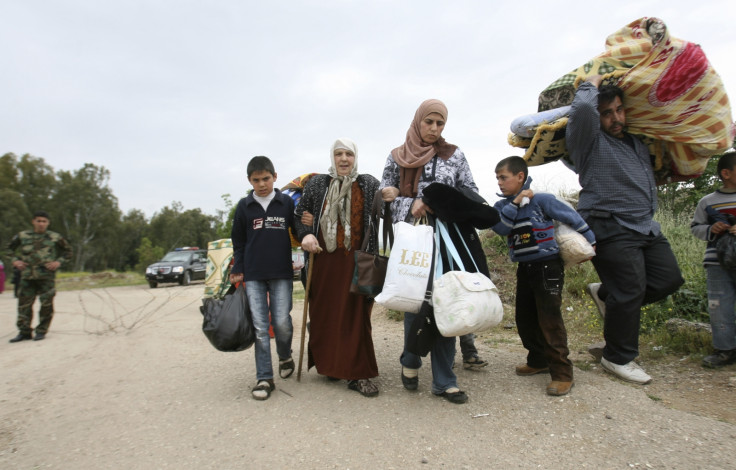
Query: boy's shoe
[[630, 372], [262, 390], [474, 363], [720, 358], [592, 290], [525, 369], [557, 388]]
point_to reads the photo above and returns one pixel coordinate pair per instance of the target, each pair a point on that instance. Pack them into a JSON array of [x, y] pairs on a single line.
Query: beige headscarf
[[339, 192], [415, 153]]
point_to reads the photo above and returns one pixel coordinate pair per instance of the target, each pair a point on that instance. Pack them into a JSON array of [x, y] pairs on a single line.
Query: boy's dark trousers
[[538, 317]]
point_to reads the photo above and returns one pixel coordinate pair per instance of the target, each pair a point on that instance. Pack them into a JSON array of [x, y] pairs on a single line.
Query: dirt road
[[125, 379]]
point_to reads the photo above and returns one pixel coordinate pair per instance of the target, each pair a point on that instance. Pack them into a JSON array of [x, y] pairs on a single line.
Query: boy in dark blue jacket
[[262, 258], [527, 220]]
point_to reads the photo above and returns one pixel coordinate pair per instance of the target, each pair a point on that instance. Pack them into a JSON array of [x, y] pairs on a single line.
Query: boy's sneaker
[[630, 372], [593, 289], [720, 358], [474, 363]]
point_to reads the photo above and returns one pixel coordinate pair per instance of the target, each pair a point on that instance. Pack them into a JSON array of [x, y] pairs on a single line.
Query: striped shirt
[[711, 209], [615, 176]]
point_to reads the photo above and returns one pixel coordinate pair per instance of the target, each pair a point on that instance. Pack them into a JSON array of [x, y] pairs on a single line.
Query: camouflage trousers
[[45, 290]]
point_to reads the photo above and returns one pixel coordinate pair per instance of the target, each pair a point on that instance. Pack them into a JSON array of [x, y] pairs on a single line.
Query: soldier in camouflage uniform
[[37, 253]]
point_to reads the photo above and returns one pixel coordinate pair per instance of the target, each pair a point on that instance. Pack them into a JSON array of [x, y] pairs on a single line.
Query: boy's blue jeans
[[442, 357], [721, 301], [278, 292]]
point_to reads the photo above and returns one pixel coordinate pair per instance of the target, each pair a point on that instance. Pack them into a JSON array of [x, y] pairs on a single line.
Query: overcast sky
[[174, 96]]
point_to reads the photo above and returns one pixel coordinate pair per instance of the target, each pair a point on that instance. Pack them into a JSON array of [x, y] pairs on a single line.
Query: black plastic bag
[[726, 251], [227, 322]]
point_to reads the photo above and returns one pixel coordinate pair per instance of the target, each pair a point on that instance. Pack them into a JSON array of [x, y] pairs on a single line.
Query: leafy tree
[[225, 217], [147, 254], [173, 227], [88, 212], [14, 213], [130, 234], [14, 216], [9, 171], [36, 182]]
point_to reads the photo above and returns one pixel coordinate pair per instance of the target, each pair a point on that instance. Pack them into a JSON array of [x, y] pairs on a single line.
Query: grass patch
[[661, 342], [395, 315], [66, 281], [298, 293]]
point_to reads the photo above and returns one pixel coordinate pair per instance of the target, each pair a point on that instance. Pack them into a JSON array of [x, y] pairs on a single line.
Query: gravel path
[[126, 380]]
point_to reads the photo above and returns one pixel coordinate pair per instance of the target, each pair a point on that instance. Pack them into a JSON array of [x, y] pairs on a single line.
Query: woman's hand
[[389, 193], [310, 244], [307, 218], [419, 209]]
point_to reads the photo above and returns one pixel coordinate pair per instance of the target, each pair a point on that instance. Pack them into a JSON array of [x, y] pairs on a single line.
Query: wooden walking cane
[[304, 317]]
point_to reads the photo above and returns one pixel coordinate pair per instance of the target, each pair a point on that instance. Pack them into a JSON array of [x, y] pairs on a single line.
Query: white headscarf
[[338, 198]]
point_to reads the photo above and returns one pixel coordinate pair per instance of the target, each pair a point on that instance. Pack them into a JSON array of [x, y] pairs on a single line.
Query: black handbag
[[227, 322], [370, 267], [423, 331]]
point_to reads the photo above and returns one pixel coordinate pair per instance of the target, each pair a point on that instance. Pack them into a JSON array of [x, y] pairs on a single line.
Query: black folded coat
[[460, 205]]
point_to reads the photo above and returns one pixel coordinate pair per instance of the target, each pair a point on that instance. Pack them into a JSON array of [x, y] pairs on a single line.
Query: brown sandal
[[363, 386]]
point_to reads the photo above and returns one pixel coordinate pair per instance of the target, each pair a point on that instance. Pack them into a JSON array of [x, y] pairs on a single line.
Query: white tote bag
[[463, 302], [409, 266]]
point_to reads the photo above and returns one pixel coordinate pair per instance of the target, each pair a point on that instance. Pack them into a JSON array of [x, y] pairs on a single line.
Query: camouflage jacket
[[37, 249]]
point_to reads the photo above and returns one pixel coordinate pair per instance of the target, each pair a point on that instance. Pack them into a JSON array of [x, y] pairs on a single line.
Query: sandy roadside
[[125, 379]]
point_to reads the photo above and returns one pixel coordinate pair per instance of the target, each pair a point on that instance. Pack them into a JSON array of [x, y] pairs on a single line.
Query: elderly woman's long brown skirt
[[340, 341]]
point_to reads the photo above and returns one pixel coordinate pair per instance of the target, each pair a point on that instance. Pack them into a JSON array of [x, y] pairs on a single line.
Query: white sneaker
[[630, 372], [593, 289]]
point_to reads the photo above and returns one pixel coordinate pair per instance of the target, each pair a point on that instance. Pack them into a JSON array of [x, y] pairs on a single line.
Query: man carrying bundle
[[618, 199]]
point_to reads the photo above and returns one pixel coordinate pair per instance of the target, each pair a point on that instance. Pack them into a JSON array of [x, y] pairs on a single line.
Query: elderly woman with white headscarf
[[340, 342]]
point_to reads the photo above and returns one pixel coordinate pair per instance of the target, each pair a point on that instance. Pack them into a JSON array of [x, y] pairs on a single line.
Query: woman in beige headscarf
[[425, 158], [340, 342]]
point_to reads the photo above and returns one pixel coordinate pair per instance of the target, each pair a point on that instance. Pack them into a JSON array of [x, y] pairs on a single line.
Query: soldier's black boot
[[20, 337], [39, 336]]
